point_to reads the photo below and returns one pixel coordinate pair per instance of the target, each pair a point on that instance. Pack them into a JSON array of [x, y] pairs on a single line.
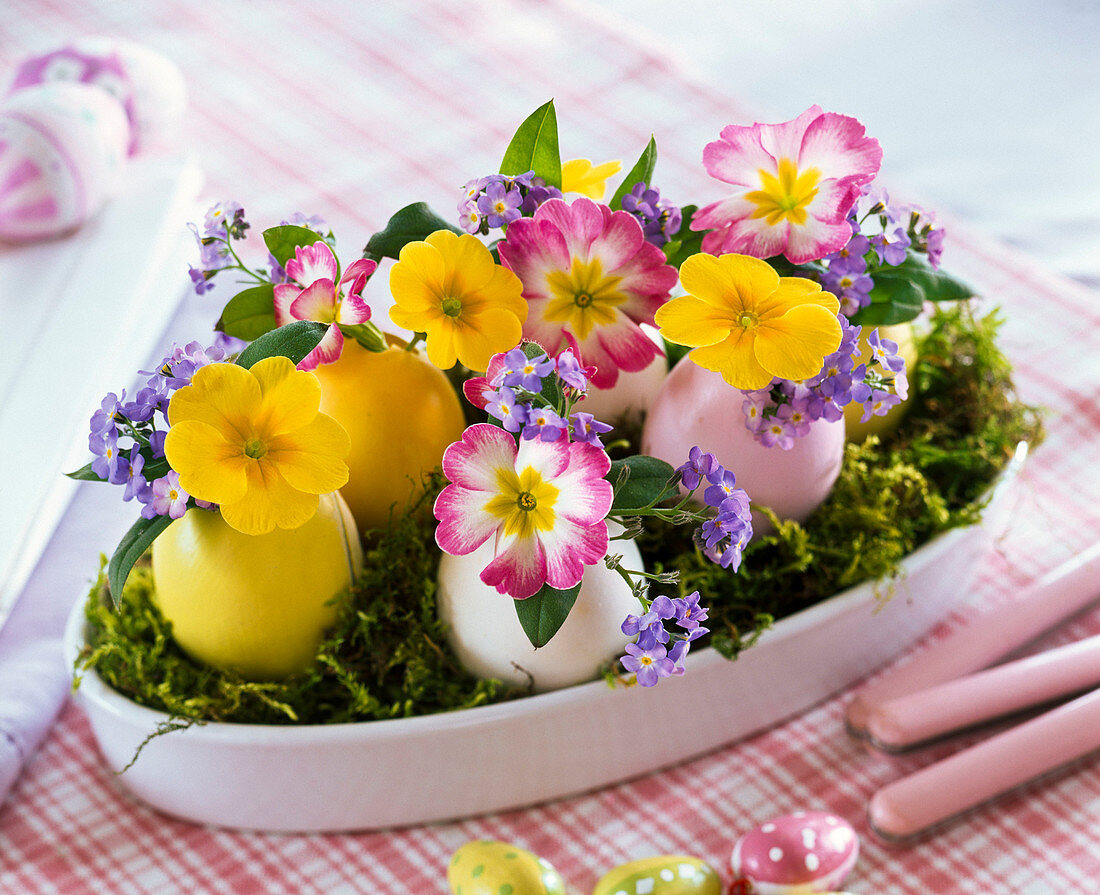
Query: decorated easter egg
[[902, 333], [62, 152], [808, 851], [401, 413], [663, 875], [483, 867], [632, 393], [489, 640], [257, 604], [698, 407], [149, 86]]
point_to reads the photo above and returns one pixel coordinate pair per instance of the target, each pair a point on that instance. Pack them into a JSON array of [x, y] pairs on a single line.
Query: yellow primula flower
[[579, 175], [254, 442], [468, 306], [748, 323]]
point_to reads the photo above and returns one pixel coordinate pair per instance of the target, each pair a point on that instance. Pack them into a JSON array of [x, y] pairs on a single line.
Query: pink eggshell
[[808, 851], [62, 152], [698, 407]]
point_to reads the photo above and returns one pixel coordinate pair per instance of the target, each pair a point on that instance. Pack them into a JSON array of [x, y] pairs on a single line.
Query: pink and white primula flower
[[795, 184], [315, 294], [544, 502], [590, 278]]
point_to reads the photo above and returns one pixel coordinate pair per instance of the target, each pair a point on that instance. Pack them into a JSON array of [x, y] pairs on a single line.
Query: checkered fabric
[[353, 109]]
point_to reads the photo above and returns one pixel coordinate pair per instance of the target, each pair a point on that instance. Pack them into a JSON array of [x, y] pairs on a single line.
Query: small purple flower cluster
[[660, 219], [722, 537], [140, 466], [784, 411], [901, 229], [223, 222], [650, 658], [520, 377], [498, 199]]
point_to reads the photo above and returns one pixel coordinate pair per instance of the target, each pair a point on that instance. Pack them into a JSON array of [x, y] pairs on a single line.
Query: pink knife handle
[[914, 804], [927, 714], [1056, 596]]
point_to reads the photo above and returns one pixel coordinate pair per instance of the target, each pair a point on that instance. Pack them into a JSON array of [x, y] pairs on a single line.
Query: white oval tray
[[377, 774]]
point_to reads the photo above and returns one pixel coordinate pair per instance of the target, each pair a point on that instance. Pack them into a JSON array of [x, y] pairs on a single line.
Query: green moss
[[387, 656]]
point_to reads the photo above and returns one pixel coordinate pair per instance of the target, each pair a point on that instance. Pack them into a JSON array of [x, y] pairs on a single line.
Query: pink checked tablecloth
[[353, 109]]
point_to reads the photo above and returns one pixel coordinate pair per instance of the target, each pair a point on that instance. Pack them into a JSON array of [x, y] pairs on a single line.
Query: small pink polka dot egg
[[62, 153], [808, 851]]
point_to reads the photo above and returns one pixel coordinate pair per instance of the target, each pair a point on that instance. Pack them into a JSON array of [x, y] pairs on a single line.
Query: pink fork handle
[[927, 714], [1056, 596], [914, 804]]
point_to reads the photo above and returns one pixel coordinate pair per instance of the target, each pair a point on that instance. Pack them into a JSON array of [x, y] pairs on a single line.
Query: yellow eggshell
[[662, 875], [902, 333], [400, 412], [483, 867], [258, 604]]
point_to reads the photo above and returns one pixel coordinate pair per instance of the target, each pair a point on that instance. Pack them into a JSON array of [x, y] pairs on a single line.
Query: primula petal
[[224, 396], [624, 342], [476, 461], [687, 320], [312, 459], [569, 547], [738, 156], [328, 350], [838, 146], [533, 250], [717, 215], [285, 294], [464, 524], [489, 333], [442, 351], [799, 290], [505, 291], [416, 277], [519, 567], [269, 503], [316, 302], [816, 237], [734, 282], [584, 496], [548, 458], [311, 263], [735, 359], [579, 175], [290, 397], [785, 140], [751, 236], [622, 238], [581, 223], [353, 310], [210, 467], [795, 345], [467, 263]]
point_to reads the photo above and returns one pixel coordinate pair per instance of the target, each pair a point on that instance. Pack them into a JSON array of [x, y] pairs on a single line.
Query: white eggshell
[[631, 393], [698, 407], [488, 639], [158, 90], [62, 153], [808, 851]]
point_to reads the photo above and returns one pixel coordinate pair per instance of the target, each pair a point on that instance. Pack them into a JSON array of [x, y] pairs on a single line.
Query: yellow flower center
[[583, 298], [748, 319], [452, 307], [255, 448], [645, 660], [524, 502], [786, 196]]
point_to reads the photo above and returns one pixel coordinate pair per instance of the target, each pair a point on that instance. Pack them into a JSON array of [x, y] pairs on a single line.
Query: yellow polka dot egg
[[483, 867], [663, 875]]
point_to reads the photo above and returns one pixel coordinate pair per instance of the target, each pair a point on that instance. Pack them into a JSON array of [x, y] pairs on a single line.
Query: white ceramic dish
[[408, 771]]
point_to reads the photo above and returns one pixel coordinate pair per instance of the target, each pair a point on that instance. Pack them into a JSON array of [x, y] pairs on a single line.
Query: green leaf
[[282, 241], [688, 242], [134, 543], [84, 474], [535, 147], [899, 292], [937, 285], [647, 482], [642, 171], [543, 614], [411, 224], [249, 314], [295, 340]]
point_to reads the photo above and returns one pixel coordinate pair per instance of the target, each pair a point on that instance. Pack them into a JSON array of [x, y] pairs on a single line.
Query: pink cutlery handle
[[1056, 596], [927, 714], [914, 804]]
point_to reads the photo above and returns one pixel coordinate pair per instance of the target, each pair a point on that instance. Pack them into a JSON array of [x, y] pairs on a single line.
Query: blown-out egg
[[483, 867], [489, 640], [62, 152], [808, 851], [632, 393], [698, 407], [663, 875], [149, 86]]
